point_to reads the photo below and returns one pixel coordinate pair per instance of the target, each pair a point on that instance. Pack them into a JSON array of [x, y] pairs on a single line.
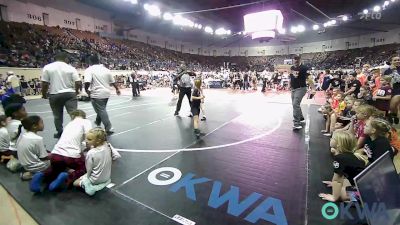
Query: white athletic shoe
[[297, 127]]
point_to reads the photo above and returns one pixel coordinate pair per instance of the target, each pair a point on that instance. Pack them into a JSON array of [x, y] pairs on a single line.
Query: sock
[[59, 181], [36, 183]]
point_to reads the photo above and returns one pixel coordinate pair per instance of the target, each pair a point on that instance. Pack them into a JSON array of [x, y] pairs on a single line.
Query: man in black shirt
[[335, 82], [298, 79], [353, 87]]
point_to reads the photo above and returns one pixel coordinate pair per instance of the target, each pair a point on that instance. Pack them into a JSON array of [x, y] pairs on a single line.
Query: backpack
[[13, 165]]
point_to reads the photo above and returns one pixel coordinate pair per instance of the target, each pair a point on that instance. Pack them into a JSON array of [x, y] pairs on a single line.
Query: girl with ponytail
[[377, 141], [32, 153]]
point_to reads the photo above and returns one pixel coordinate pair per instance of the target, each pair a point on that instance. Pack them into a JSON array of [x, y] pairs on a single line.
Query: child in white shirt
[[4, 140], [98, 163], [67, 160], [17, 113], [31, 151]]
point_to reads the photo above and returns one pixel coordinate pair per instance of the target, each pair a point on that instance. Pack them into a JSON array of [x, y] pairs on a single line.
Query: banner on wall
[[288, 62]]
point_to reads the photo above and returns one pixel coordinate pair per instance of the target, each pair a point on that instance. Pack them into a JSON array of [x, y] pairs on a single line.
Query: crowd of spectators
[[27, 45], [361, 114]]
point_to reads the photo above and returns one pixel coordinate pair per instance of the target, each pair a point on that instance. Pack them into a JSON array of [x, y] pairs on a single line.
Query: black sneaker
[[176, 114], [390, 119], [97, 124], [110, 132], [203, 118], [197, 132]]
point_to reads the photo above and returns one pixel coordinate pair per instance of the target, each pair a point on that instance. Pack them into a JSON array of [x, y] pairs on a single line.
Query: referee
[[185, 87]]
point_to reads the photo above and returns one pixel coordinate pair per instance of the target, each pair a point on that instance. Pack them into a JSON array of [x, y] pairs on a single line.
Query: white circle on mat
[[152, 177]]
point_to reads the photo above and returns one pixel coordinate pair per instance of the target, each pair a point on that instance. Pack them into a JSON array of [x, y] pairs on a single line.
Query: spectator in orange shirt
[[376, 78], [361, 77]]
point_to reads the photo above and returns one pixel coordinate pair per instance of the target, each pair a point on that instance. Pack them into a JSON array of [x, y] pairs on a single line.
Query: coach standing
[[298, 85], [98, 81], [64, 83]]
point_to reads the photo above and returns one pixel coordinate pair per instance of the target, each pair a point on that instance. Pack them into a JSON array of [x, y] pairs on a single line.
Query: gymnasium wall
[[69, 14]]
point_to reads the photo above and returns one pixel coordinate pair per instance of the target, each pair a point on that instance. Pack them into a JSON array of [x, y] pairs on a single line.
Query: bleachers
[[35, 49]]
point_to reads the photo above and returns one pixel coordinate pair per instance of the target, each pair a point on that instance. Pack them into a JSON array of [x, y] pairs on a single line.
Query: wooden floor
[[11, 213]]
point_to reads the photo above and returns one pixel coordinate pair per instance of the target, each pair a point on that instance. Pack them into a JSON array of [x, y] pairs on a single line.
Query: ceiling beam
[[222, 8], [318, 10], [305, 17]]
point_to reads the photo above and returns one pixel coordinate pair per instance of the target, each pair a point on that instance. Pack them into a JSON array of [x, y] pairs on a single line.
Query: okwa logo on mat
[[376, 212], [270, 209]]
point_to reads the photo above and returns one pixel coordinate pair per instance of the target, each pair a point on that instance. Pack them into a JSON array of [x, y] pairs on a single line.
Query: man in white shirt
[[64, 83], [13, 82], [98, 81]]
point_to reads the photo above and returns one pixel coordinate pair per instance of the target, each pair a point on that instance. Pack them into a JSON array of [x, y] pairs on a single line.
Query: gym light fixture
[[377, 8], [168, 16], [301, 28], [209, 30]]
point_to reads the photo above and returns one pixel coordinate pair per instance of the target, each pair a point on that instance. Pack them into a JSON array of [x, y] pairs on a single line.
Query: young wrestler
[[17, 113], [363, 113], [195, 107], [31, 151], [347, 113], [346, 166], [350, 126], [98, 163], [377, 143], [338, 105], [67, 159], [5, 152], [381, 98]]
